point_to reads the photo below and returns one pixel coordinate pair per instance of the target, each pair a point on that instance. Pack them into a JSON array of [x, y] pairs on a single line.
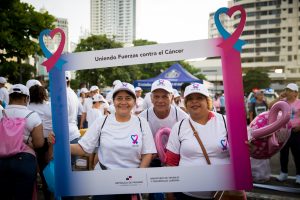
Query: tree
[[19, 29], [256, 78], [100, 77], [11, 70], [153, 69]]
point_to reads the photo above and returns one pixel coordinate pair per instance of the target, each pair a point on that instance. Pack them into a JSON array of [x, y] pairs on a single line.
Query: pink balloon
[[270, 131], [161, 140]]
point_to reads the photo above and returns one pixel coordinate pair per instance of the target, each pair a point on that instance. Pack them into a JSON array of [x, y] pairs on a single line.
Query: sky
[[163, 21]]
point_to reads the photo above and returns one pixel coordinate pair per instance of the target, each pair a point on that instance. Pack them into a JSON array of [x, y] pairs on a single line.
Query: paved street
[[260, 191]]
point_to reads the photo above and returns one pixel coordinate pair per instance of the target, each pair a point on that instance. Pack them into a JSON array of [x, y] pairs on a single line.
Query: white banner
[[141, 54]]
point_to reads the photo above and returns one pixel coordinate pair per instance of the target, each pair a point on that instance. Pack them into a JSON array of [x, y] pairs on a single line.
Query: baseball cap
[[68, 75], [19, 88], [162, 84], [138, 89], [2, 80], [97, 98], [84, 90], [116, 82], [196, 88], [293, 86], [94, 87], [123, 86], [32, 82]]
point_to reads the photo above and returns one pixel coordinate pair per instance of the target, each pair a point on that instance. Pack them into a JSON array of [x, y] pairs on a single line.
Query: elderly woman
[[184, 148], [125, 140]]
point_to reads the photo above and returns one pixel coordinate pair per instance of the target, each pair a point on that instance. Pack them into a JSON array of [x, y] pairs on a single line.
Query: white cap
[[32, 82], [2, 80], [84, 90], [97, 98], [138, 89], [196, 88], [116, 82], [94, 87], [124, 86], [293, 86], [68, 75], [19, 88], [162, 84], [175, 93]]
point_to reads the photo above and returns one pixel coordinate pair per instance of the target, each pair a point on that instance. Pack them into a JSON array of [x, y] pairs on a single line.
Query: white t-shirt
[[109, 97], [80, 107], [4, 95], [88, 105], [95, 113], [139, 105], [72, 101], [111, 109], [122, 144], [213, 136], [21, 111], [44, 111], [147, 101], [156, 123]]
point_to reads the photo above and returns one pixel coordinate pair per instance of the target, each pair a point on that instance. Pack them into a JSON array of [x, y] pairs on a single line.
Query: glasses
[[127, 99]]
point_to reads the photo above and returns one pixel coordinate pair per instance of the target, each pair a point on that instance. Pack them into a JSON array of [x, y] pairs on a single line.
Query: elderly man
[[162, 113]]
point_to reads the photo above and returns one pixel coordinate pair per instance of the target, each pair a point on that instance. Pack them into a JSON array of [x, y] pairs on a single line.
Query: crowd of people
[[120, 130]]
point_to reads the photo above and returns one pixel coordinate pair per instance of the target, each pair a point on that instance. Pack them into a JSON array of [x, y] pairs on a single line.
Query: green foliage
[[12, 71], [20, 26], [97, 42], [256, 78], [141, 42], [101, 77]]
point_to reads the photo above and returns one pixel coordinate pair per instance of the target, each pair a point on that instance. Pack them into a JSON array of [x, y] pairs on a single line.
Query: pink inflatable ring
[[161, 140], [270, 131]]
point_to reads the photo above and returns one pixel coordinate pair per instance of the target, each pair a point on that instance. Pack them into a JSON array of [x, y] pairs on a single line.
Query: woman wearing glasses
[[125, 140]]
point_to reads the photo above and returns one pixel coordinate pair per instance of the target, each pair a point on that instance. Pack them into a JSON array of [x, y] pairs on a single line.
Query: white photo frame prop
[[234, 176]]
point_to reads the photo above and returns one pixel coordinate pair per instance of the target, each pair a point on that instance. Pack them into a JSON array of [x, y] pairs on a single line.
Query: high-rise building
[[272, 33], [114, 18], [62, 23]]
